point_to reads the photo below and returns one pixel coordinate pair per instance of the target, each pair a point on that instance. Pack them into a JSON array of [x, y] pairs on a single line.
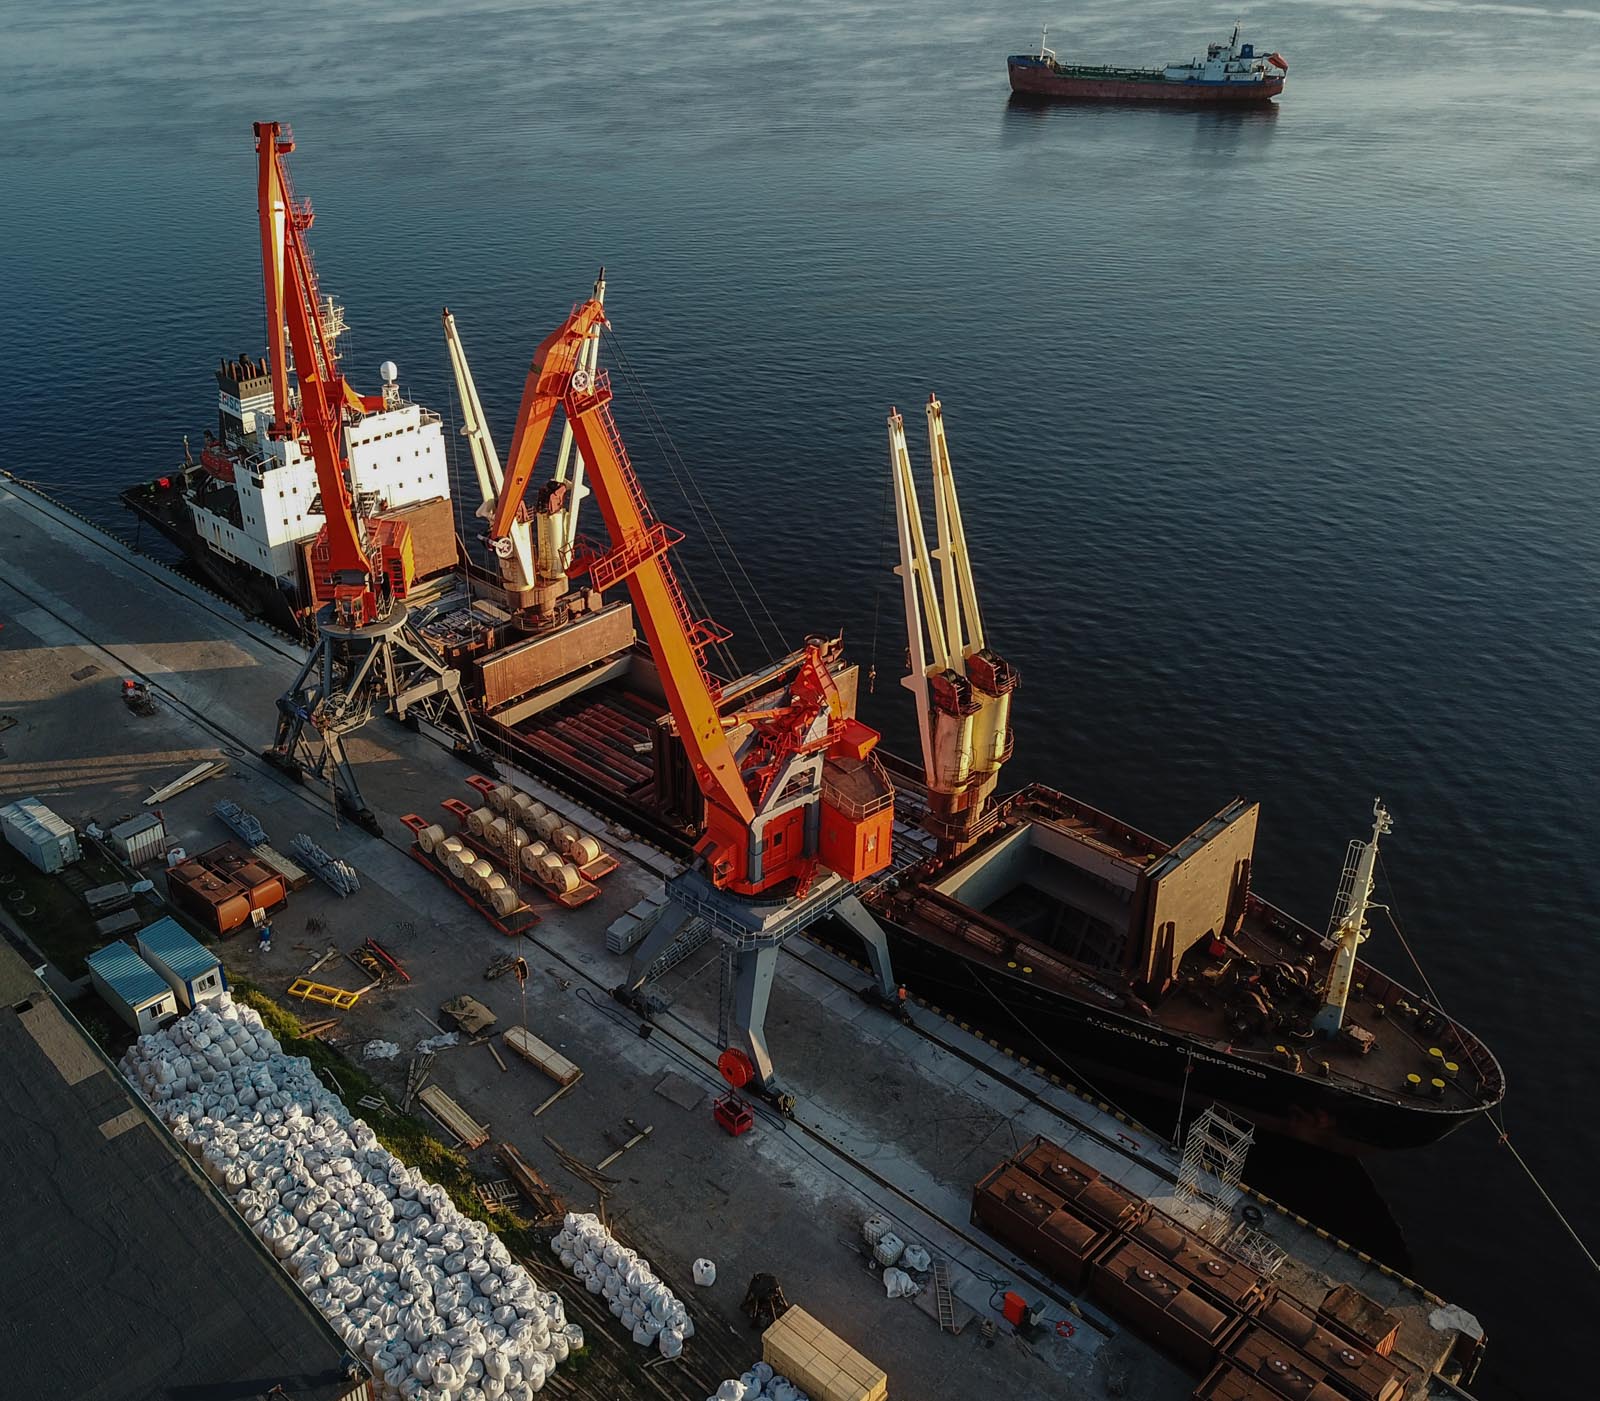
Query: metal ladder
[[941, 1296]]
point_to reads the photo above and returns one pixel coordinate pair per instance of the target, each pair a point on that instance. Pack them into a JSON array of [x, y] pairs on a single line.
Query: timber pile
[[547, 1203], [454, 1118]]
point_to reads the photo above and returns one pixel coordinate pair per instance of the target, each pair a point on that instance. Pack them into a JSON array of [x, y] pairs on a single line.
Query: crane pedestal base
[[348, 672], [752, 932]]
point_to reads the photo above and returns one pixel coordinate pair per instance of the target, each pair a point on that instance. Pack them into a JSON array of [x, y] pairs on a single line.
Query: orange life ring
[[1065, 1328]]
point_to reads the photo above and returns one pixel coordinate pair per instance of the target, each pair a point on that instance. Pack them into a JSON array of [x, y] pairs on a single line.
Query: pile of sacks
[[430, 1300], [892, 1252], [645, 1306], [760, 1383]]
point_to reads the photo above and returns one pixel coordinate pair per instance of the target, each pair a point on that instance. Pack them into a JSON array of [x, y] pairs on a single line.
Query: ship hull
[[247, 589], [1101, 1051], [1038, 81]]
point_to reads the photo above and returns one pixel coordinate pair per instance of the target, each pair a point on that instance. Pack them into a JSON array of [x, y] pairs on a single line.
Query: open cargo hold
[[48, 842], [822, 1364]]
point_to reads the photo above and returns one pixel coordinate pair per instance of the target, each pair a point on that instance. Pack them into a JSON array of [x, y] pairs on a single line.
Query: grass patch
[[408, 1138]]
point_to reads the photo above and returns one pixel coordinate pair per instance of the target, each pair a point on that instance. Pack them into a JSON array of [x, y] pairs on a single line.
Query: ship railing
[[428, 416]]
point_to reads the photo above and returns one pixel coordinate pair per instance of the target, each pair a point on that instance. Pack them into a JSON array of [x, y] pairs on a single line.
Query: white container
[[139, 839], [41, 836]]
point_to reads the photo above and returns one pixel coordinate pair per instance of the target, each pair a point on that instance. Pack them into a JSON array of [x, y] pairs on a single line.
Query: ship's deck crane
[[366, 647], [797, 809], [963, 689], [1347, 926], [534, 549]]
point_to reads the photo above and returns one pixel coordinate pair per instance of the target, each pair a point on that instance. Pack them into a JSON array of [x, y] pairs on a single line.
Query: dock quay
[[893, 1119]]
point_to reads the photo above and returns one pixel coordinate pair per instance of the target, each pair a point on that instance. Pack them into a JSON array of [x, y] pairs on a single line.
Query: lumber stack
[[822, 1363]]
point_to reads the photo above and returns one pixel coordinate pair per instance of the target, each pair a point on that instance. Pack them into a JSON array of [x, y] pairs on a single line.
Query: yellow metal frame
[[308, 991]]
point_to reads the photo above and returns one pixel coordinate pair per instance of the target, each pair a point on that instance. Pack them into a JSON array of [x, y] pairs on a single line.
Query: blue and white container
[[131, 987], [187, 966]]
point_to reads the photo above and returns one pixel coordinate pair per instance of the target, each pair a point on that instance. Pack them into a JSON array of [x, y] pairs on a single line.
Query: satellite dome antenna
[[391, 391]]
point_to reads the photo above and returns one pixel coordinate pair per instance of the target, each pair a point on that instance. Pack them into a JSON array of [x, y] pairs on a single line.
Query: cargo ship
[[1230, 75], [247, 514], [1097, 950]]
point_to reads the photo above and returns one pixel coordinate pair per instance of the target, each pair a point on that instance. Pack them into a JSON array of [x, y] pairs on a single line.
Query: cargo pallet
[[603, 865], [570, 899], [513, 926]]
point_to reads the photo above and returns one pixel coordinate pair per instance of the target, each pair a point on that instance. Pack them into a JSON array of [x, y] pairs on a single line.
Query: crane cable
[[1504, 1139], [681, 473], [699, 511], [877, 590], [723, 654]]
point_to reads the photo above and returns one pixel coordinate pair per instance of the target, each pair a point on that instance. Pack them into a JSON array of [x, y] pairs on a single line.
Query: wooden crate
[[825, 1366]]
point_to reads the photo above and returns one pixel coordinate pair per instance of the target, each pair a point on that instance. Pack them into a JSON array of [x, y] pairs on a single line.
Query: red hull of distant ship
[[1037, 81]]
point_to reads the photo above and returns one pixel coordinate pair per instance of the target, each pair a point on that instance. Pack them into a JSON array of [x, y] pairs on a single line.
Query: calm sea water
[[1276, 431]]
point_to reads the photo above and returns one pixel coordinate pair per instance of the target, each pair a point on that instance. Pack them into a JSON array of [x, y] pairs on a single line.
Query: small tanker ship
[[1230, 75]]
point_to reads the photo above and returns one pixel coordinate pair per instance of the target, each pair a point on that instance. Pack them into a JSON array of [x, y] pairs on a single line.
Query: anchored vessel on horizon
[[1081, 941], [1230, 75]]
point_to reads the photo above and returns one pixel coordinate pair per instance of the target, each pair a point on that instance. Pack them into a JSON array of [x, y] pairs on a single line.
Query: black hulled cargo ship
[[1114, 959]]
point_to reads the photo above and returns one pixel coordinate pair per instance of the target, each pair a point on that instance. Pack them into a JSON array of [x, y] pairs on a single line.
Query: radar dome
[[390, 371]]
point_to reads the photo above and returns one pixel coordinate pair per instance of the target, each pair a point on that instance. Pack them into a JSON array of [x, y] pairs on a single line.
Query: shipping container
[[1092, 1196], [1206, 1267], [527, 666], [1279, 1367], [1351, 1314], [1033, 1221], [131, 987], [1158, 1302], [43, 838], [218, 903], [1351, 1368], [188, 967], [1227, 1381], [139, 839]]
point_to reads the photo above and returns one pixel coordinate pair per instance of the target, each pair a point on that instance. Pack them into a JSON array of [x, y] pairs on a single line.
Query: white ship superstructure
[[262, 500]]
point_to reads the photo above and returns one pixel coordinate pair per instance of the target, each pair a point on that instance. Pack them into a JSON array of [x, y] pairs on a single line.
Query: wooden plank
[[471, 1133], [495, 1054], [294, 877], [546, 1200], [198, 774], [545, 1057]]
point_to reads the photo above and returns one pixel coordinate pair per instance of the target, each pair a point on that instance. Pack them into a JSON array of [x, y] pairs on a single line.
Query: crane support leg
[[752, 988], [669, 923], [854, 916]]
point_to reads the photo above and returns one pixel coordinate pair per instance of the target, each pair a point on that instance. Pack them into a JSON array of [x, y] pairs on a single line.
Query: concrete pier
[[892, 1118]]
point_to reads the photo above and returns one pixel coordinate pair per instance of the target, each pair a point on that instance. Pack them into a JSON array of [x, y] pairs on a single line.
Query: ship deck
[[939, 1107], [997, 910]]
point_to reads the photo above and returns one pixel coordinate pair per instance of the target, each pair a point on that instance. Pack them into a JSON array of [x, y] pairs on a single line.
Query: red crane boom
[[294, 307], [752, 841]]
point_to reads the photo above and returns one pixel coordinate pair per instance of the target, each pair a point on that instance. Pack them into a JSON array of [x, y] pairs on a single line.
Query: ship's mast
[[1348, 925]]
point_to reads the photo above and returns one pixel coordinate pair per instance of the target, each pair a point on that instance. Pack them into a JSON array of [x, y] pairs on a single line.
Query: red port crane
[[751, 766], [797, 809], [364, 570], [365, 643]]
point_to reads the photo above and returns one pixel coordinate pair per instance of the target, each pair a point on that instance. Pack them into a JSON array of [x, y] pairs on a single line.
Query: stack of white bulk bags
[[431, 1300]]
